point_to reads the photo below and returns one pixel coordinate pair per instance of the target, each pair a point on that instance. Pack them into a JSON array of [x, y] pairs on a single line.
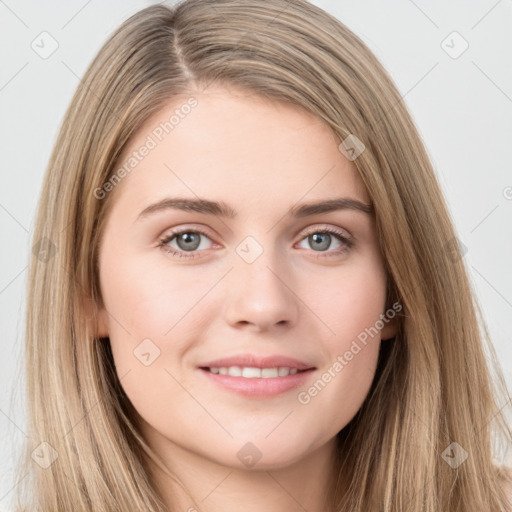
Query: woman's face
[[251, 338]]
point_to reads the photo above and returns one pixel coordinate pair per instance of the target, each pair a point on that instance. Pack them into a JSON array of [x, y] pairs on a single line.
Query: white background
[[462, 107]]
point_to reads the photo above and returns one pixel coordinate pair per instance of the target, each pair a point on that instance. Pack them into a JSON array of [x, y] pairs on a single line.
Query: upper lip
[[254, 361]]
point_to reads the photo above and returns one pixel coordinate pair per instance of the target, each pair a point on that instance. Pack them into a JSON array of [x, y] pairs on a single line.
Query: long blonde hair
[[433, 385]]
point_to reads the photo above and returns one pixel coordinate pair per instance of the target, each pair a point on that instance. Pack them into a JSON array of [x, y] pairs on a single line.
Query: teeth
[[235, 371], [251, 372], [269, 372]]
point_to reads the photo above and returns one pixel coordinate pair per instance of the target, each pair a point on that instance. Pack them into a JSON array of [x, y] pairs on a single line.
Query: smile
[[249, 372], [256, 383]]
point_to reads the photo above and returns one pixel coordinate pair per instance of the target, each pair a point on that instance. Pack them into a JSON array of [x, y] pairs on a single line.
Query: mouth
[[252, 372], [255, 377]]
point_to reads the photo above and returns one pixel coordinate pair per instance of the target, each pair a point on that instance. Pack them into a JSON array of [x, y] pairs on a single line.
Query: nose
[[259, 295]]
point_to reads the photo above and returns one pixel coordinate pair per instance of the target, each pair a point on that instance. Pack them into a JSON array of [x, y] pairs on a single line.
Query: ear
[[392, 313], [389, 330], [98, 316]]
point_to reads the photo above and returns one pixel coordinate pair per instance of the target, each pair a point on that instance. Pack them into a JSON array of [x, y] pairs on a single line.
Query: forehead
[[236, 146]]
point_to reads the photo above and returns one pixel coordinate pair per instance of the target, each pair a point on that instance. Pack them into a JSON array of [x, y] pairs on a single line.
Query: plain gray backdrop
[[450, 60]]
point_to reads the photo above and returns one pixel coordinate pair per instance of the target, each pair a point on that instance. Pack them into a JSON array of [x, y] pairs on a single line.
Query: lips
[[253, 361], [257, 377]]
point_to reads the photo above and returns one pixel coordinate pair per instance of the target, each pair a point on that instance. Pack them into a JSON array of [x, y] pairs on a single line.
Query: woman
[[249, 285]]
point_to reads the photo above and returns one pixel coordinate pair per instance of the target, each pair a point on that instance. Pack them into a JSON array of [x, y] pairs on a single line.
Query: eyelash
[[347, 244]]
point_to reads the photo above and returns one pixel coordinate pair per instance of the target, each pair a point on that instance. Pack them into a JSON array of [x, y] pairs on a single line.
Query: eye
[[189, 244], [321, 239], [188, 240]]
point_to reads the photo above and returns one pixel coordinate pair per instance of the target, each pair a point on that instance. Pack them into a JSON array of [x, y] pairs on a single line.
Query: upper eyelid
[[320, 227], [176, 231], [205, 231]]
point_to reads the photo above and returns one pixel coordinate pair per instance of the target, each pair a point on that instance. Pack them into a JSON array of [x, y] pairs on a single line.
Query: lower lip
[[259, 387]]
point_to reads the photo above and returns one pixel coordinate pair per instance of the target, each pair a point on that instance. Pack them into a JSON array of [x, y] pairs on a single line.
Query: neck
[[192, 483]]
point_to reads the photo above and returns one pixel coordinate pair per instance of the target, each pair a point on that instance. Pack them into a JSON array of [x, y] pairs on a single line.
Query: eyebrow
[[221, 209]]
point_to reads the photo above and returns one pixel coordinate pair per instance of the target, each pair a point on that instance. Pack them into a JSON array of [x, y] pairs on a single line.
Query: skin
[[261, 158]]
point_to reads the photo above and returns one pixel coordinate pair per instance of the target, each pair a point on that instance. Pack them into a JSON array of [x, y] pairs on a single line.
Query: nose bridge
[[258, 291]]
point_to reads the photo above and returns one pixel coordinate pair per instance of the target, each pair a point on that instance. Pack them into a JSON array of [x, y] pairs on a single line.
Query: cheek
[[147, 300], [156, 313], [351, 302], [352, 310], [153, 313]]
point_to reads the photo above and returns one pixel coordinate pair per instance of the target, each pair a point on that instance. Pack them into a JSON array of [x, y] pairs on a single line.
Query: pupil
[[188, 241], [318, 238]]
